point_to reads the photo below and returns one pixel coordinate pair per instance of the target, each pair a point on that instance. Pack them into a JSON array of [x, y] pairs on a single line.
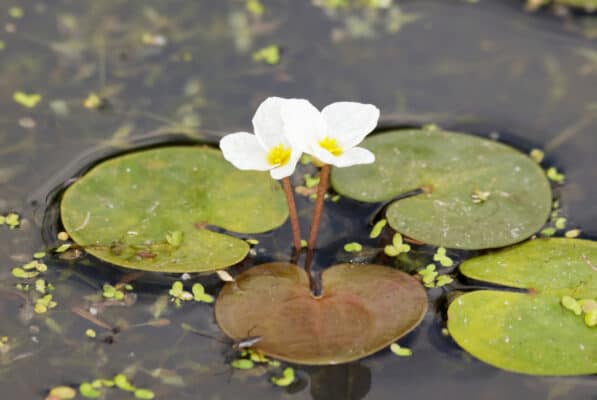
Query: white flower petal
[[350, 122], [287, 169], [244, 151], [268, 125], [303, 124], [354, 156]]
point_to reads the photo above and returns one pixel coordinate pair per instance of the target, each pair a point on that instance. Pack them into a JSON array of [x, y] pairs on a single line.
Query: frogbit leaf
[[478, 194], [149, 210], [538, 332], [363, 309]]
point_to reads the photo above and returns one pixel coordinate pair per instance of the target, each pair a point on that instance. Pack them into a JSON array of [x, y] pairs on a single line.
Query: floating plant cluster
[[186, 209]]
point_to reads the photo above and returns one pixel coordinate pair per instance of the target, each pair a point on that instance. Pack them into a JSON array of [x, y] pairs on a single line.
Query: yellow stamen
[[331, 145], [279, 155]]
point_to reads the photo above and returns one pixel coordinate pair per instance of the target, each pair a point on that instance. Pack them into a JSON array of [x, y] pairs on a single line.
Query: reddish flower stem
[[324, 176], [294, 221]]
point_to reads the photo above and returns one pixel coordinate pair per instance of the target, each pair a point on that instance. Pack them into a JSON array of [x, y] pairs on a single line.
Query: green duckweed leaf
[[63, 393], [363, 308], [378, 228], [88, 391], [353, 247], [200, 295], [530, 332], [479, 193], [269, 55], [122, 382], [242, 363], [26, 100], [400, 351], [286, 379], [148, 210], [144, 394]]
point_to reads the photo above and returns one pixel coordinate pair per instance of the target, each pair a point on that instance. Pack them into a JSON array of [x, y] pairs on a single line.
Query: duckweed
[[555, 176], [286, 379], [199, 294], [242, 363], [353, 247], [26, 100], [397, 247], [378, 228], [63, 393], [441, 257], [400, 351], [144, 394], [88, 391], [269, 55]]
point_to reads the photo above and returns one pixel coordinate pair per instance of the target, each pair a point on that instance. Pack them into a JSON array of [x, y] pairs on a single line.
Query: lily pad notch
[[151, 209]]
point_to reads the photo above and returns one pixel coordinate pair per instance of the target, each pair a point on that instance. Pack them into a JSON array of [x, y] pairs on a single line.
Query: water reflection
[[348, 381]]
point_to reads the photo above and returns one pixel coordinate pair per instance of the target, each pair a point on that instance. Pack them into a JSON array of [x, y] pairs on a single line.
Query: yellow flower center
[[279, 155], [331, 145]]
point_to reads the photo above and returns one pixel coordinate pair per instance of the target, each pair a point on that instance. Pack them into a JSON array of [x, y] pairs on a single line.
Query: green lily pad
[[148, 210], [363, 308], [479, 193], [530, 332]]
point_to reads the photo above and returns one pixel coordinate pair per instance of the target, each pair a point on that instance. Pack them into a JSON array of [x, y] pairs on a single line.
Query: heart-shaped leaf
[[148, 210], [530, 332], [478, 193], [363, 308]]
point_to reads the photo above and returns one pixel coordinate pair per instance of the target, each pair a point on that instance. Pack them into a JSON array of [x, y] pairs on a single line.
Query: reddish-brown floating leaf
[[363, 309]]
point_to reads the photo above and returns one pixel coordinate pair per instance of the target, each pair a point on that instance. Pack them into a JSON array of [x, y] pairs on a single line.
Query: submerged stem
[[324, 175], [294, 221]]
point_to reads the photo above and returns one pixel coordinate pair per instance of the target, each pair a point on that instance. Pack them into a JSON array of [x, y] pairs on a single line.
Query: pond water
[[184, 71]]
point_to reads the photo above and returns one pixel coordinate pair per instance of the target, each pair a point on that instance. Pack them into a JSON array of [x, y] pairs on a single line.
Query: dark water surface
[[487, 68]]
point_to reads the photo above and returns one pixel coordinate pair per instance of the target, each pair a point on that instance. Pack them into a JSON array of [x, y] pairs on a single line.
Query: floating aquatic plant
[[473, 193], [169, 210], [362, 309], [540, 330]]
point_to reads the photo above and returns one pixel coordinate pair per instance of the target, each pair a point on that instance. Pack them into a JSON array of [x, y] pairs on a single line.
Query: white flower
[[269, 149], [332, 134]]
